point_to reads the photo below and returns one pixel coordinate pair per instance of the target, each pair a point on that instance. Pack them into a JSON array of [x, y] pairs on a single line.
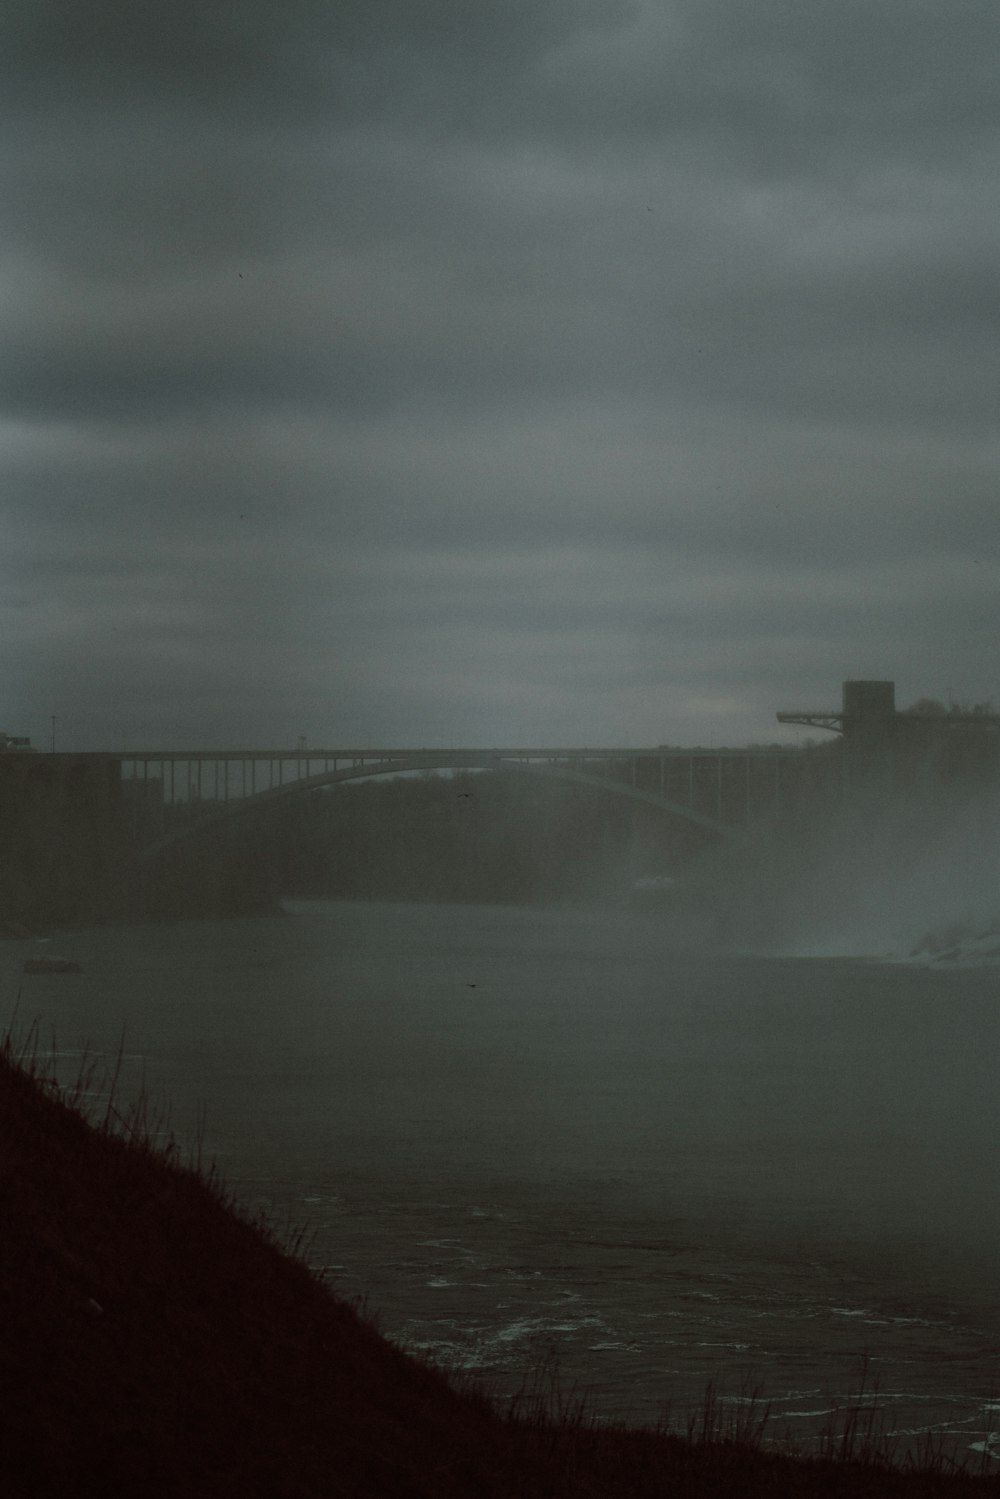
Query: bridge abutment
[[59, 831]]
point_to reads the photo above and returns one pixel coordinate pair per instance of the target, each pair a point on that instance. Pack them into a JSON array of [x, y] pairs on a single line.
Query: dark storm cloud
[[289, 61], [777, 74], [555, 370]]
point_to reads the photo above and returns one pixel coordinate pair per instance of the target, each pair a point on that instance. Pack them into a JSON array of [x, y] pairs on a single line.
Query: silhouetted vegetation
[[158, 1342], [947, 748], [233, 869], [472, 837]]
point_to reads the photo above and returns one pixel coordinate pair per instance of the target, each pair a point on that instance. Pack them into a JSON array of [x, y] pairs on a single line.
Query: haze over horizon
[[609, 372]]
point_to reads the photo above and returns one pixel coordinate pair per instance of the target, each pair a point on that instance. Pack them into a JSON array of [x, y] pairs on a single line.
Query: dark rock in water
[[51, 965]]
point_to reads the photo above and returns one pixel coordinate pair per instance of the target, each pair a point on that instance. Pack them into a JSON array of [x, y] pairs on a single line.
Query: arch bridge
[[169, 796]]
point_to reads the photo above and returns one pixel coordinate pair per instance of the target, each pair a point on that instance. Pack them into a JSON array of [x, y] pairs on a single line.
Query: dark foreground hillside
[[154, 1342]]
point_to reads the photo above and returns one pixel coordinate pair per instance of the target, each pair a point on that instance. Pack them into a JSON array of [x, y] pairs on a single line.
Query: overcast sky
[[445, 372]]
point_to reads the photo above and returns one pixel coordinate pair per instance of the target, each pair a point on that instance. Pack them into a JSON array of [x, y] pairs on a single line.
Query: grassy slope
[[154, 1342]]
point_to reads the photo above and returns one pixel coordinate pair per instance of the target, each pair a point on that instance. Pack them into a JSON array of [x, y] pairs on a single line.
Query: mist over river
[[521, 1131]]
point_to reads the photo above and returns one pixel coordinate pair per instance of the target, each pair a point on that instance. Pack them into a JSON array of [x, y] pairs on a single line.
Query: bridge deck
[[439, 754]]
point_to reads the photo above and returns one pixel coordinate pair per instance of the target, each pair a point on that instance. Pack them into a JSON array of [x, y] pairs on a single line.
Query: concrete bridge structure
[[136, 807], [201, 817], [167, 794]]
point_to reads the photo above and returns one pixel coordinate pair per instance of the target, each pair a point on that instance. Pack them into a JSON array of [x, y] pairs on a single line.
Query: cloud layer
[[592, 372]]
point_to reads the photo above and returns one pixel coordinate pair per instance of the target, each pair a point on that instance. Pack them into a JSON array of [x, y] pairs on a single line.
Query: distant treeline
[[488, 836]]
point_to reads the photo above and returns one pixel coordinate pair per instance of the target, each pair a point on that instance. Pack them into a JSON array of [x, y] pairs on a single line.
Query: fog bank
[[887, 876]]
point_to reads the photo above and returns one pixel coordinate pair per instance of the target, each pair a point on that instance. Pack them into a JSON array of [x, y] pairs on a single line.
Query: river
[[545, 1138]]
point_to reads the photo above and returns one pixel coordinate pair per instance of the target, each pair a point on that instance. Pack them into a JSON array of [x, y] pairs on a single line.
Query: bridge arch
[[181, 838]]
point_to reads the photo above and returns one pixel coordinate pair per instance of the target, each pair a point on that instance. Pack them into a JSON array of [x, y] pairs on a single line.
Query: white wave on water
[[532, 1327]]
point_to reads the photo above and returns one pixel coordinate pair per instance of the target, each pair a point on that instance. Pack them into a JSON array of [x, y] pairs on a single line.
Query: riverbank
[[158, 1342]]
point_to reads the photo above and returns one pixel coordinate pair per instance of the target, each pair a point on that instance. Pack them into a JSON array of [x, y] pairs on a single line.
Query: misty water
[[535, 1137]]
